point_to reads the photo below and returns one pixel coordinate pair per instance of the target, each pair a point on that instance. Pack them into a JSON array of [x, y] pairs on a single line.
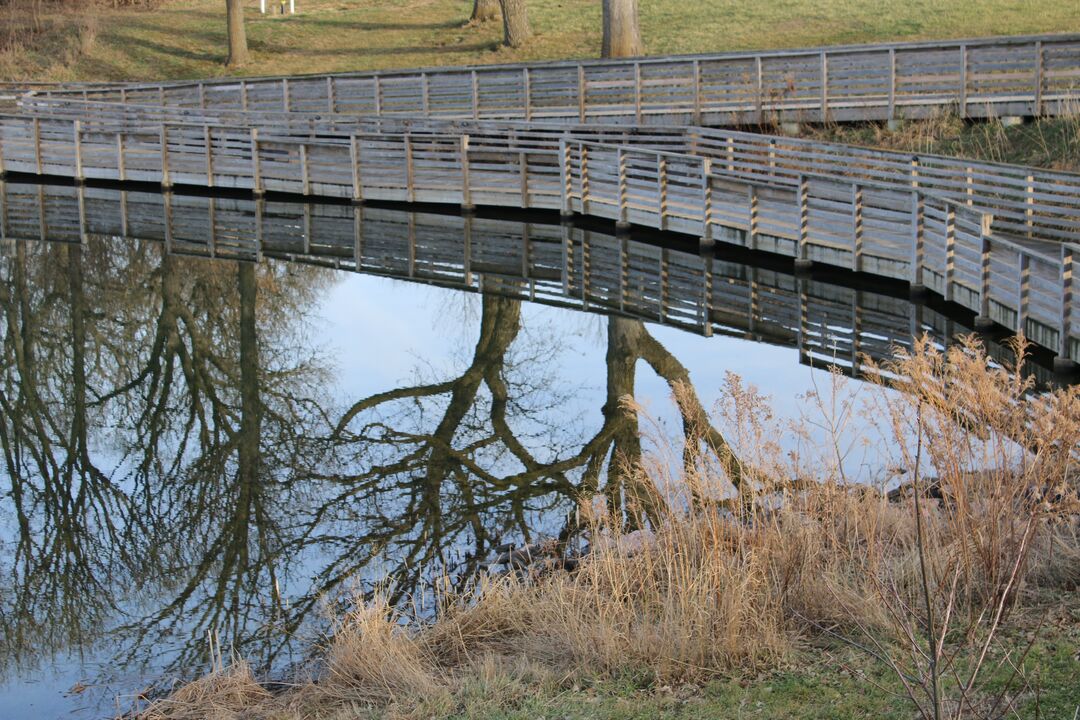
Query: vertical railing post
[[759, 90], [475, 95], [82, 213], [243, 95], [466, 183], [707, 296], [1029, 205], [410, 189], [802, 257], [824, 86], [354, 160], [260, 212], [566, 177], [285, 104], [963, 81], [662, 189], [697, 92], [331, 99], [358, 238], [121, 165], [969, 181], [1023, 299], [624, 270], [706, 202], [76, 127], [950, 251], [1064, 359], [378, 95], [256, 166], [167, 198], [209, 156], [37, 145], [581, 92], [983, 321], [1039, 62], [307, 229], [637, 92], [621, 201], [857, 227], [166, 182], [752, 237], [523, 165], [425, 95], [892, 84], [918, 243], [211, 221], [305, 180], [583, 163], [526, 91]]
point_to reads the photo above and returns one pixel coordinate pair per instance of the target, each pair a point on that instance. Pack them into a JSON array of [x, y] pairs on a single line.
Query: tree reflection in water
[[175, 464]]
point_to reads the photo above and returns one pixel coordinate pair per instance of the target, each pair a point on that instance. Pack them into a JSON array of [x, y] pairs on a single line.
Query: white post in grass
[[292, 7], [262, 6]]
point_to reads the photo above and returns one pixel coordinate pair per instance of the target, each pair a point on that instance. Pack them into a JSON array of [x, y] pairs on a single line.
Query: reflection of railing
[[882, 229], [565, 266], [982, 78]]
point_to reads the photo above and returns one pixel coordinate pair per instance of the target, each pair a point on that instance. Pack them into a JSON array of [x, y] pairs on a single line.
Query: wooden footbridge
[[626, 141], [558, 265]]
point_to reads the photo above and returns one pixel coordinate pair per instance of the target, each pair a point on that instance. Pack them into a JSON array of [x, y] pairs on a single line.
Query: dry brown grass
[[1052, 143], [718, 587]]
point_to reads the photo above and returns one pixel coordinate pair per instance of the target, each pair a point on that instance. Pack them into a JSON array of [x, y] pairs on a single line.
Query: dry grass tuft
[[222, 695]]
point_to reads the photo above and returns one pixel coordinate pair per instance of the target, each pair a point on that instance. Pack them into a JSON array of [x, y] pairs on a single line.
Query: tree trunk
[[515, 22], [622, 36], [484, 10], [238, 49]]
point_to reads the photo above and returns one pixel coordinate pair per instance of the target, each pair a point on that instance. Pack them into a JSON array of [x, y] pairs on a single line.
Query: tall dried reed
[[923, 578]]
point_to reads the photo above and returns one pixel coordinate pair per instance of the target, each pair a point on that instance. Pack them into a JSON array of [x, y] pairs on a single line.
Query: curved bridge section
[[998, 240]]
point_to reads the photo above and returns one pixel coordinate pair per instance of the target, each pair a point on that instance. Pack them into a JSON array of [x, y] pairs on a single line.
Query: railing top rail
[[644, 60]]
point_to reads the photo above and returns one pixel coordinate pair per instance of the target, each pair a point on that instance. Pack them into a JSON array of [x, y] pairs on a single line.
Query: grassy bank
[[1048, 143], [803, 597], [186, 38]]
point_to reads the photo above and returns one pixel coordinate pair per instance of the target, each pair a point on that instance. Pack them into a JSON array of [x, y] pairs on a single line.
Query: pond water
[[210, 452]]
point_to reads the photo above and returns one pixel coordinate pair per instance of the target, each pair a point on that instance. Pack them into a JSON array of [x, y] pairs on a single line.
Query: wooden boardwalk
[[563, 266], [999, 240]]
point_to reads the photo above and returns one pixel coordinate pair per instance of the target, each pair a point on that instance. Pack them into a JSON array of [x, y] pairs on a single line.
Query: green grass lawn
[[186, 38]]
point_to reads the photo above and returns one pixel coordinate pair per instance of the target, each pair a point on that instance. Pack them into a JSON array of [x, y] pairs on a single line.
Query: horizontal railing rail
[[986, 77]]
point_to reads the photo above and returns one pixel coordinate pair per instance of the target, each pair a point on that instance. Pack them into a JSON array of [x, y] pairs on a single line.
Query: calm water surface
[[197, 447]]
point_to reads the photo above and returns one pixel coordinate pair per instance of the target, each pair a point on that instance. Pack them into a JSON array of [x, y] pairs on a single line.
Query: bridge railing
[[1025, 201], [866, 227], [980, 78]]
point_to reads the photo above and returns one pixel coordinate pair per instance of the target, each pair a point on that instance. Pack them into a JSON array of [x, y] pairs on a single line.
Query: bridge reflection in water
[[176, 461], [838, 320]]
